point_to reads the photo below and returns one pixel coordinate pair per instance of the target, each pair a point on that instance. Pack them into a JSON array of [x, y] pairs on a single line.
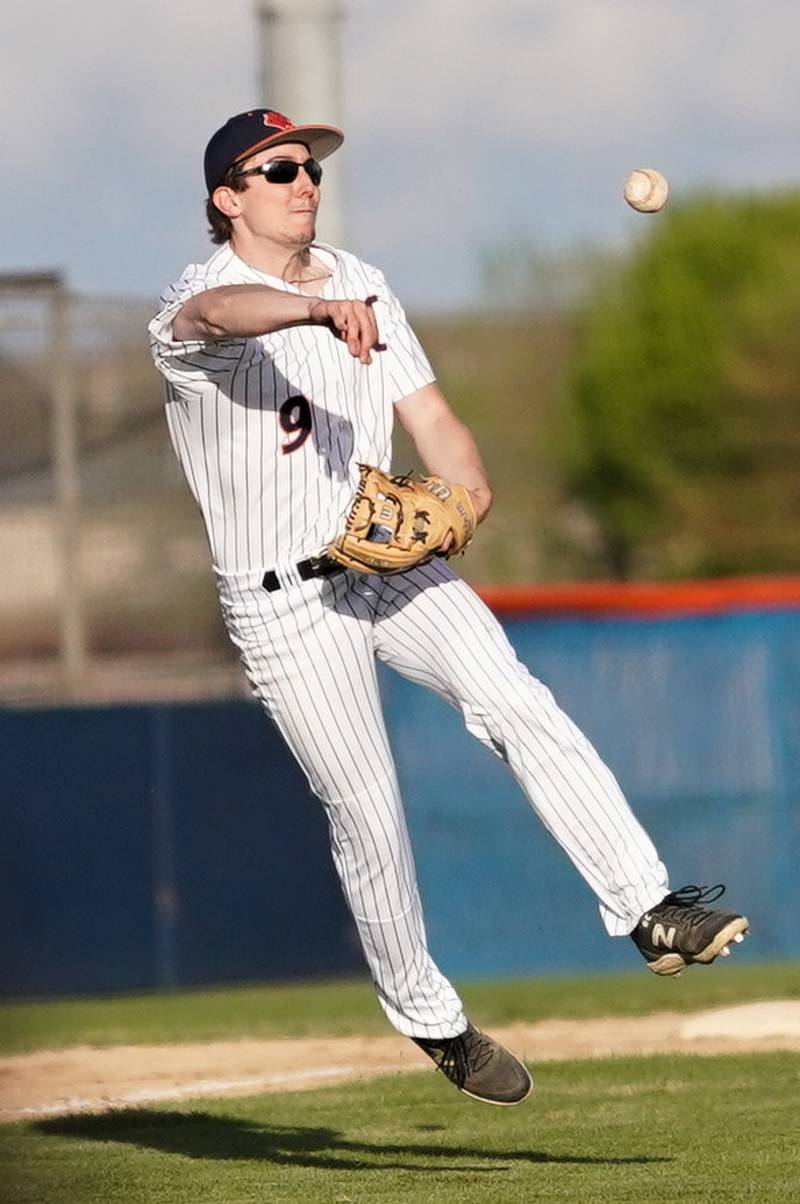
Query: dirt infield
[[87, 1079]]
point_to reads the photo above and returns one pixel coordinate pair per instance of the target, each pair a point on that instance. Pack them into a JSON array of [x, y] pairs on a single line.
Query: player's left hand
[[482, 503], [396, 523]]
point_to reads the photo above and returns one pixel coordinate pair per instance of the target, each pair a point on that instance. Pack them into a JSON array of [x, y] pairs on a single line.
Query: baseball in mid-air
[[646, 190]]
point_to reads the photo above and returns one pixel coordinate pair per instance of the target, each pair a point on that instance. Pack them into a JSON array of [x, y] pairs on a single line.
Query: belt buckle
[[323, 566], [315, 566]]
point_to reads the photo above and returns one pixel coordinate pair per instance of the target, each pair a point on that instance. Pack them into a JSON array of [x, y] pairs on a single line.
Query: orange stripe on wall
[[645, 597]]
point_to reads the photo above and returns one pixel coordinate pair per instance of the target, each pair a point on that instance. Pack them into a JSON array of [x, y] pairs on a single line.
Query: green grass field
[[666, 1129], [348, 1008], [644, 1129]]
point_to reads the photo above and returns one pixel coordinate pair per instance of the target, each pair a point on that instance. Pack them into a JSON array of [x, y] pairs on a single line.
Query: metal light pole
[[301, 77], [64, 453]]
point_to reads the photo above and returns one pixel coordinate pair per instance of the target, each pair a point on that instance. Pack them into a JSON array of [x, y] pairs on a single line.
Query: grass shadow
[[204, 1136]]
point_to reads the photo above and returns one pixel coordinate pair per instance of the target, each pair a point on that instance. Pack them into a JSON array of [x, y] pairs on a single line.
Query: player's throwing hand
[[351, 321]]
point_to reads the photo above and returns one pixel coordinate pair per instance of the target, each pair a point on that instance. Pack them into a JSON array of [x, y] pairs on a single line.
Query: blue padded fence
[[171, 845], [699, 719]]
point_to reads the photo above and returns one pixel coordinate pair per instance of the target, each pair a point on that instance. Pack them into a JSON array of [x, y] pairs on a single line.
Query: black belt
[[316, 566]]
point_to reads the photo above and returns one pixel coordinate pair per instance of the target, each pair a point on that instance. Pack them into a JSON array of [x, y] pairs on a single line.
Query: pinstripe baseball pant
[[309, 652]]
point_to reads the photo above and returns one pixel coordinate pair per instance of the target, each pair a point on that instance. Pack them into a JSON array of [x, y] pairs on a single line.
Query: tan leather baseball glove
[[398, 522]]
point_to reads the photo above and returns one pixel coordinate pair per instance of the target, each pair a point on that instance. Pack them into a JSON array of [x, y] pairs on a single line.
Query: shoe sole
[[672, 963], [499, 1103]]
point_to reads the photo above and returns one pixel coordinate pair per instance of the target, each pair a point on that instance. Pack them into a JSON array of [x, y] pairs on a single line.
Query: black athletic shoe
[[678, 931], [479, 1066]]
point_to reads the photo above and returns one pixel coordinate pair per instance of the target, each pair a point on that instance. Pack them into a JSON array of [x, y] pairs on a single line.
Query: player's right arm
[[242, 311]]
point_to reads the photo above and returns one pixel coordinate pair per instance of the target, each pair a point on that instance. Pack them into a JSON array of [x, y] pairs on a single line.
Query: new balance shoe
[[679, 930], [479, 1066]]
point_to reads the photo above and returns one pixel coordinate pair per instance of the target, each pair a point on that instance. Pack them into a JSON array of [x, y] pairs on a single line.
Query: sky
[[470, 126]]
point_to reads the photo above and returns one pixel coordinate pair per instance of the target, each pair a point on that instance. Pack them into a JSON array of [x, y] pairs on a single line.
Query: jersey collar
[[323, 252]]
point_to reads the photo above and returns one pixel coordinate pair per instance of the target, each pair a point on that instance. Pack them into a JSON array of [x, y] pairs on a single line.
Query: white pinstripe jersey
[[270, 430]]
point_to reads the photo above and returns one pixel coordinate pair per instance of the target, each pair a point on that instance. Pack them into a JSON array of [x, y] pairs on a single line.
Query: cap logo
[[278, 119]]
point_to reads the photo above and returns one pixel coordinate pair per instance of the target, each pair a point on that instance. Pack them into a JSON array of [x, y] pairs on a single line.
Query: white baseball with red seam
[[646, 190]]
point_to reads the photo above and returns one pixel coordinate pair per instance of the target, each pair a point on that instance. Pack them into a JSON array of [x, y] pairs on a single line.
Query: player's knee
[[526, 705]]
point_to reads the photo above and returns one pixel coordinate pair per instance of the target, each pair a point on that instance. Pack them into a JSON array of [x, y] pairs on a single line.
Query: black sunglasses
[[284, 171]]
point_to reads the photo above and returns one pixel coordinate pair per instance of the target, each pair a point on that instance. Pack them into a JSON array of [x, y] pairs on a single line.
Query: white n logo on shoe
[[662, 936]]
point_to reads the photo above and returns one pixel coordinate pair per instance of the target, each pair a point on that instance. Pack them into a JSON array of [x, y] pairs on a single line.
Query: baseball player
[[286, 363]]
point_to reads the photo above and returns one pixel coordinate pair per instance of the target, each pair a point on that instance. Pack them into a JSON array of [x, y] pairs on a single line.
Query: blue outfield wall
[[150, 846], [699, 718], [172, 845]]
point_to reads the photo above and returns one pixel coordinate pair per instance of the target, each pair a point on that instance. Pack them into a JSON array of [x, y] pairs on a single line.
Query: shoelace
[[463, 1055], [690, 896]]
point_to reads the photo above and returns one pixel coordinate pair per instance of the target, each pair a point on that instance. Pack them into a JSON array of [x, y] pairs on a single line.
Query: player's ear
[[227, 201]]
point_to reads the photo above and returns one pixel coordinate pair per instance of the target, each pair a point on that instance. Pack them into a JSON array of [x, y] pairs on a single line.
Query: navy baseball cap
[[246, 133]]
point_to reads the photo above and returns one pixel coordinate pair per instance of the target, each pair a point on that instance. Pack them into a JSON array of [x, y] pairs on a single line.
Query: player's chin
[[303, 228]]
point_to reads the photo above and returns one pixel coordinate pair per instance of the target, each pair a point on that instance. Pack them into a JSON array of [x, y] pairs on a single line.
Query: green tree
[[683, 401]]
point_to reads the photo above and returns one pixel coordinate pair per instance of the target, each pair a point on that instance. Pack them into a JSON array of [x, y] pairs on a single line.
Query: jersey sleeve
[[184, 361], [405, 365]]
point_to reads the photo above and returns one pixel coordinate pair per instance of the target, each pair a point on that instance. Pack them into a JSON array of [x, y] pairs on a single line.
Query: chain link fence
[[106, 579], [107, 590]]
